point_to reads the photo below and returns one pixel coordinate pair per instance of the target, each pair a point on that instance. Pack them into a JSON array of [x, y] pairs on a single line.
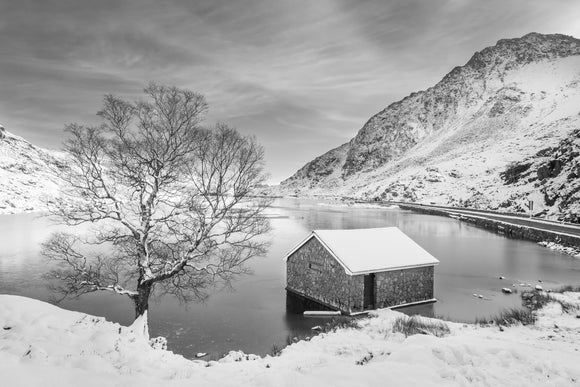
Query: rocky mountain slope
[[27, 177], [512, 105]]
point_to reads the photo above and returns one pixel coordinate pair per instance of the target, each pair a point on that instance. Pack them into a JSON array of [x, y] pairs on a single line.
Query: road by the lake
[[542, 224]]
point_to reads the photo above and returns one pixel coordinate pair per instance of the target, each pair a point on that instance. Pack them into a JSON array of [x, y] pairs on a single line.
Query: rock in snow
[[506, 290]]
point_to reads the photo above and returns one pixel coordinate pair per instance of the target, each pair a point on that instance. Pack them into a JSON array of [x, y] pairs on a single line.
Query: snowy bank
[[570, 250], [41, 344]]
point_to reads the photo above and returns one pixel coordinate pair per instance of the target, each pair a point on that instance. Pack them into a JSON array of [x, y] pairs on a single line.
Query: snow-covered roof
[[370, 250]]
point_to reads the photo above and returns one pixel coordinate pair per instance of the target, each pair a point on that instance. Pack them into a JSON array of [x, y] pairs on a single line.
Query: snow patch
[[41, 344]]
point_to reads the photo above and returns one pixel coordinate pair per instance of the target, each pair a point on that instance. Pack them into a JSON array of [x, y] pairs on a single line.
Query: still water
[[253, 317]]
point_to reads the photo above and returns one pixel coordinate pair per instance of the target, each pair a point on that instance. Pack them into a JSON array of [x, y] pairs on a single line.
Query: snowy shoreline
[[43, 344], [568, 250]]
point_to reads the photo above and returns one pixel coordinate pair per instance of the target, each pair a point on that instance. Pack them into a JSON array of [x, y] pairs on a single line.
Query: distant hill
[[27, 177], [501, 129]]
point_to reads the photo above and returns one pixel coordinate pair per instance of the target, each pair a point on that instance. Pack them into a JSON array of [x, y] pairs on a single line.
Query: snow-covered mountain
[[503, 128], [27, 174]]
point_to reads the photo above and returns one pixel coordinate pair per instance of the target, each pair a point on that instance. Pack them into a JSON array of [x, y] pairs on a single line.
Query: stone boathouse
[[357, 270]]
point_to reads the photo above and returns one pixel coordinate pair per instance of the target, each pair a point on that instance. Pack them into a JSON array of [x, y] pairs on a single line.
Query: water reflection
[[297, 305]]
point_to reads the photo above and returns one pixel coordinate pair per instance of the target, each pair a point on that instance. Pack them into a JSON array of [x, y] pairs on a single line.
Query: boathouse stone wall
[[313, 272], [404, 286]]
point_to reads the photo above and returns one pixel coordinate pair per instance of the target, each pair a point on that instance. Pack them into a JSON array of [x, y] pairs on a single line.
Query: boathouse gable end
[[313, 272]]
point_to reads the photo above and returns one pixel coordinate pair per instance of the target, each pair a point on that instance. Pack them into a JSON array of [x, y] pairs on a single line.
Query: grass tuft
[[536, 300], [532, 300], [290, 339], [275, 350], [340, 322], [417, 325], [568, 288], [509, 317]]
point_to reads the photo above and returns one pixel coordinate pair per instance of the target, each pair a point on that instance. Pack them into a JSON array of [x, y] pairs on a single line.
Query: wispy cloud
[[301, 75]]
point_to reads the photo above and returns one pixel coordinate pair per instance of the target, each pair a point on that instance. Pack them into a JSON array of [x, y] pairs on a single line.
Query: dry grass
[[509, 317], [532, 300], [568, 288], [340, 322], [535, 300], [275, 350], [417, 325]]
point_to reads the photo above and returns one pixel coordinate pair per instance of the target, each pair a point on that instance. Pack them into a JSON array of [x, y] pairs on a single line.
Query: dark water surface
[[253, 317]]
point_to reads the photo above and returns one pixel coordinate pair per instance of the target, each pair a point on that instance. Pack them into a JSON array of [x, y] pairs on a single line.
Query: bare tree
[[169, 202]]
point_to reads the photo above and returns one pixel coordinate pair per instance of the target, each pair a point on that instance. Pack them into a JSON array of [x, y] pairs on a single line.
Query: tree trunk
[[141, 300]]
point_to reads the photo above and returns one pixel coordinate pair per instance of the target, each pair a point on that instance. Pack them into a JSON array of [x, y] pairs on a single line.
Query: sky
[[301, 76]]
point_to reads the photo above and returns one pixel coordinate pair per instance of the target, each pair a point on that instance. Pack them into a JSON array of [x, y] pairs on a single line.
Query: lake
[[252, 317]]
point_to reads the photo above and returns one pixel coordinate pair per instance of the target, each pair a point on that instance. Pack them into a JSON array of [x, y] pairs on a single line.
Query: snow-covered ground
[[41, 344]]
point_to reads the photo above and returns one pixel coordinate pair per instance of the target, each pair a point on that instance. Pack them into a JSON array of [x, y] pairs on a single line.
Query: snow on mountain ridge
[[27, 179], [449, 143]]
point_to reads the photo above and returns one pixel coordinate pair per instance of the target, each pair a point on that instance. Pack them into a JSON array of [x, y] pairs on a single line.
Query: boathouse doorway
[[369, 291]]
